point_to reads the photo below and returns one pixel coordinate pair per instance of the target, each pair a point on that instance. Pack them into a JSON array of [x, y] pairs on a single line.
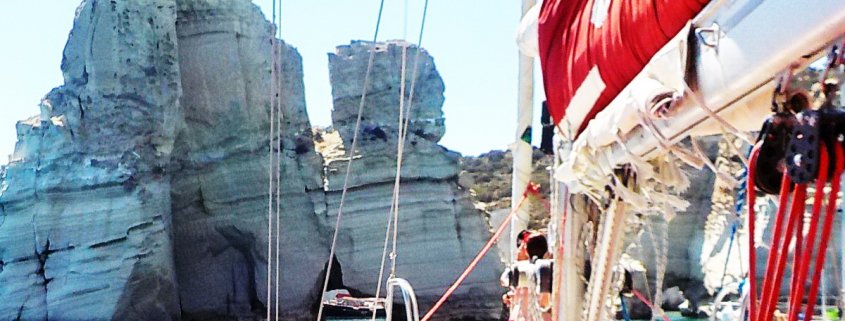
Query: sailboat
[[626, 81]]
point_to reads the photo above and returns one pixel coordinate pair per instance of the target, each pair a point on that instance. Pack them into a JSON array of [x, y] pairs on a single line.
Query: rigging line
[[827, 228], [351, 154], [769, 285], [401, 148], [403, 133], [278, 167], [751, 198], [649, 304], [799, 278], [505, 223], [270, 168], [393, 214]]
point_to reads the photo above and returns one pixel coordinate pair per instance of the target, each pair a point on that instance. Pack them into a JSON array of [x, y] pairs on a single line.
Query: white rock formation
[[140, 191], [131, 198], [439, 229], [85, 225], [220, 165]]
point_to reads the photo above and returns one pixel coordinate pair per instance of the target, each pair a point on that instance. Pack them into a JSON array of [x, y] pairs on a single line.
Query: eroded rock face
[[140, 192], [439, 229], [221, 165], [85, 225]]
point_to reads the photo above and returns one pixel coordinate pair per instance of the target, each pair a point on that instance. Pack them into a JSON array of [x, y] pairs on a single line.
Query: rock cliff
[[140, 191], [439, 229], [221, 162], [85, 225]]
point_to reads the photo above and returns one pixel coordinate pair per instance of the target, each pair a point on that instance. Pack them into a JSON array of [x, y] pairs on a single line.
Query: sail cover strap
[[617, 38]]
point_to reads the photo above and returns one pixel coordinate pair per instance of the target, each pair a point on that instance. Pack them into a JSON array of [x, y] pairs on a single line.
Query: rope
[[770, 287], [793, 222], [530, 189], [274, 99], [752, 255], [818, 198], [400, 152], [648, 304], [404, 120], [728, 257], [725, 124], [278, 169], [739, 202], [403, 126], [351, 154], [826, 230]]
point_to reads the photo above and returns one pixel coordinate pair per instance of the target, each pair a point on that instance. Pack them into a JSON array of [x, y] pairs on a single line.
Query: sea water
[[674, 316]]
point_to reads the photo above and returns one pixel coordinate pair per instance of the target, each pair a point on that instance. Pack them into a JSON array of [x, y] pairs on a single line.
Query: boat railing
[[412, 312]]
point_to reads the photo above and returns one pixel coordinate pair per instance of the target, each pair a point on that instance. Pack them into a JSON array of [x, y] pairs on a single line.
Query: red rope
[[752, 256], [828, 226], [770, 279], [798, 221], [793, 223], [818, 198], [648, 304], [530, 189]]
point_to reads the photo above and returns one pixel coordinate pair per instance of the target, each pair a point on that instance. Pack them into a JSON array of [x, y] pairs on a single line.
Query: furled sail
[[591, 49]]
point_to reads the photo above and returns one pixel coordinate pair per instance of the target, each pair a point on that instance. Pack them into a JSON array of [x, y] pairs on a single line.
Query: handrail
[[412, 311], [732, 288]]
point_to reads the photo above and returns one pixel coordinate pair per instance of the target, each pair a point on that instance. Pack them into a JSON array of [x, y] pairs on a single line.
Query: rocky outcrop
[[140, 192], [439, 229], [85, 225], [221, 162]]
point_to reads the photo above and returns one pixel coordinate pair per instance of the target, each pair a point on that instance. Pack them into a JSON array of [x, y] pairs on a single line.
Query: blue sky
[[472, 42]]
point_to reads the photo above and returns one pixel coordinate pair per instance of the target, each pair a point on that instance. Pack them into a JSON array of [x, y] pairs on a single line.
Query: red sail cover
[[571, 45]]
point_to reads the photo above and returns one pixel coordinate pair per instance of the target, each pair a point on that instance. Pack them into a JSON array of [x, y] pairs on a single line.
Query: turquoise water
[[675, 316]]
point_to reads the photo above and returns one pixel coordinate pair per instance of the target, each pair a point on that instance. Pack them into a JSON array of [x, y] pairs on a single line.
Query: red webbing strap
[[818, 199], [827, 228], [752, 256], [648, 304], [480, 255], [769, 280], [793, 223]]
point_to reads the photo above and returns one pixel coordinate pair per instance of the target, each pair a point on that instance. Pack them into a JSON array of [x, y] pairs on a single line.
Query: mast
[[521, 148]]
